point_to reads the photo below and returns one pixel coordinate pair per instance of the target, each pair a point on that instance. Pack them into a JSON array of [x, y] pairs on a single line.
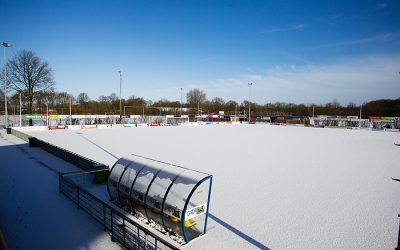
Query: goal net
[[176, 120]]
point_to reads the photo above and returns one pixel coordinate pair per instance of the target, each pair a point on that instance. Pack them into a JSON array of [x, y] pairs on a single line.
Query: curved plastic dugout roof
[[176, 197]]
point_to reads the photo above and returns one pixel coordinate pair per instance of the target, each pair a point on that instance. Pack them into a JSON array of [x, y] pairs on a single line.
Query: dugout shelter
[[174, 197]]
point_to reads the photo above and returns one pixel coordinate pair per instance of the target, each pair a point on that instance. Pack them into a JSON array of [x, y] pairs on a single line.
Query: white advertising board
[[196, 211]]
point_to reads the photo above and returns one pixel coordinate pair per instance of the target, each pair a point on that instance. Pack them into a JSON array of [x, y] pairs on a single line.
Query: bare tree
[[133, 100], [1, 98], [62, 98], [27, 73], [231, 106], [351, 105], [113, 98], [43, 99], [102, 99], [195, 97], [217, 104], [83, 98]]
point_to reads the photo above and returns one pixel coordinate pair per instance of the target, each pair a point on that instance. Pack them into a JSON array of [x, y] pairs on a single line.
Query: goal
[[176, 120]]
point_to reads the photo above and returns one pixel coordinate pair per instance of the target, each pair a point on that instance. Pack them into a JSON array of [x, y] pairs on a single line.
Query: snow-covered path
[[274, 187], [33, 215]]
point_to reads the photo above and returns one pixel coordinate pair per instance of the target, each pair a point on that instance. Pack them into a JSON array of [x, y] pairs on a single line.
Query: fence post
[[138, 238], [123, 228], [145, 241], [104, 217], [112, 226]]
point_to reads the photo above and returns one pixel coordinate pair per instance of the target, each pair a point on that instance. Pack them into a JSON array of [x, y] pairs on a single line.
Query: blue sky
[[293, 51]]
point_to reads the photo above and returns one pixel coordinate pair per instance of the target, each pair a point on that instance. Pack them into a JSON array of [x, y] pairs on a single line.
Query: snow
[[33, 214], [274, 187]]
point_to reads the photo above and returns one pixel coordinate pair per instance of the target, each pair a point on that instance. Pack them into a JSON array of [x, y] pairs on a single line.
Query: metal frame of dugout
[[172, 196]]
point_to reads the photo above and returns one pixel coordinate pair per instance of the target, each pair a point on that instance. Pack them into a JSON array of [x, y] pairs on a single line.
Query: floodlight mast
[[250, 84], [5, 45], [70, 110], [47, 113], [120, 100], [181, 100]]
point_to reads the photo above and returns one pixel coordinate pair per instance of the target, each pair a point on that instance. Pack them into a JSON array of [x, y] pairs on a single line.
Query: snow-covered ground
[[274, 187], [33, 214]]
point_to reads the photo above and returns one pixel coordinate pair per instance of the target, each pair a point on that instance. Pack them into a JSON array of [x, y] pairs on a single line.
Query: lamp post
[[70, 110], [47, 113], [120, 100], [313, 111], [250, 84], [5, 45], [181, 100], [359, 124]]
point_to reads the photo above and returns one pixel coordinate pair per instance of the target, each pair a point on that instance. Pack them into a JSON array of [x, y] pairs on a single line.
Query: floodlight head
[[250, 83], [7, 45]]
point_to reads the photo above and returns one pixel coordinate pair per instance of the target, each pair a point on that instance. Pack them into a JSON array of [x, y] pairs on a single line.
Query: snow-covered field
[[274, 187]]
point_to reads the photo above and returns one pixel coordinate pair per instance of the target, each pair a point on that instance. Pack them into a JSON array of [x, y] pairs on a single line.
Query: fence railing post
[[138, 237], [112, 226], [123, 230], [104, 218]]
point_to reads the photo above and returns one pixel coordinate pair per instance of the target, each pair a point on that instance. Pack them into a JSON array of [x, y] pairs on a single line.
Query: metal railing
[[127, 232]]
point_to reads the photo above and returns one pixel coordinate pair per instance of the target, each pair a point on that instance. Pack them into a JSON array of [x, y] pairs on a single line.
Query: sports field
[[274, 187]]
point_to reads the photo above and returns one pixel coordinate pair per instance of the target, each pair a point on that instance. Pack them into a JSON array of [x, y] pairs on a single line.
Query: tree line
[[31, 78]]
